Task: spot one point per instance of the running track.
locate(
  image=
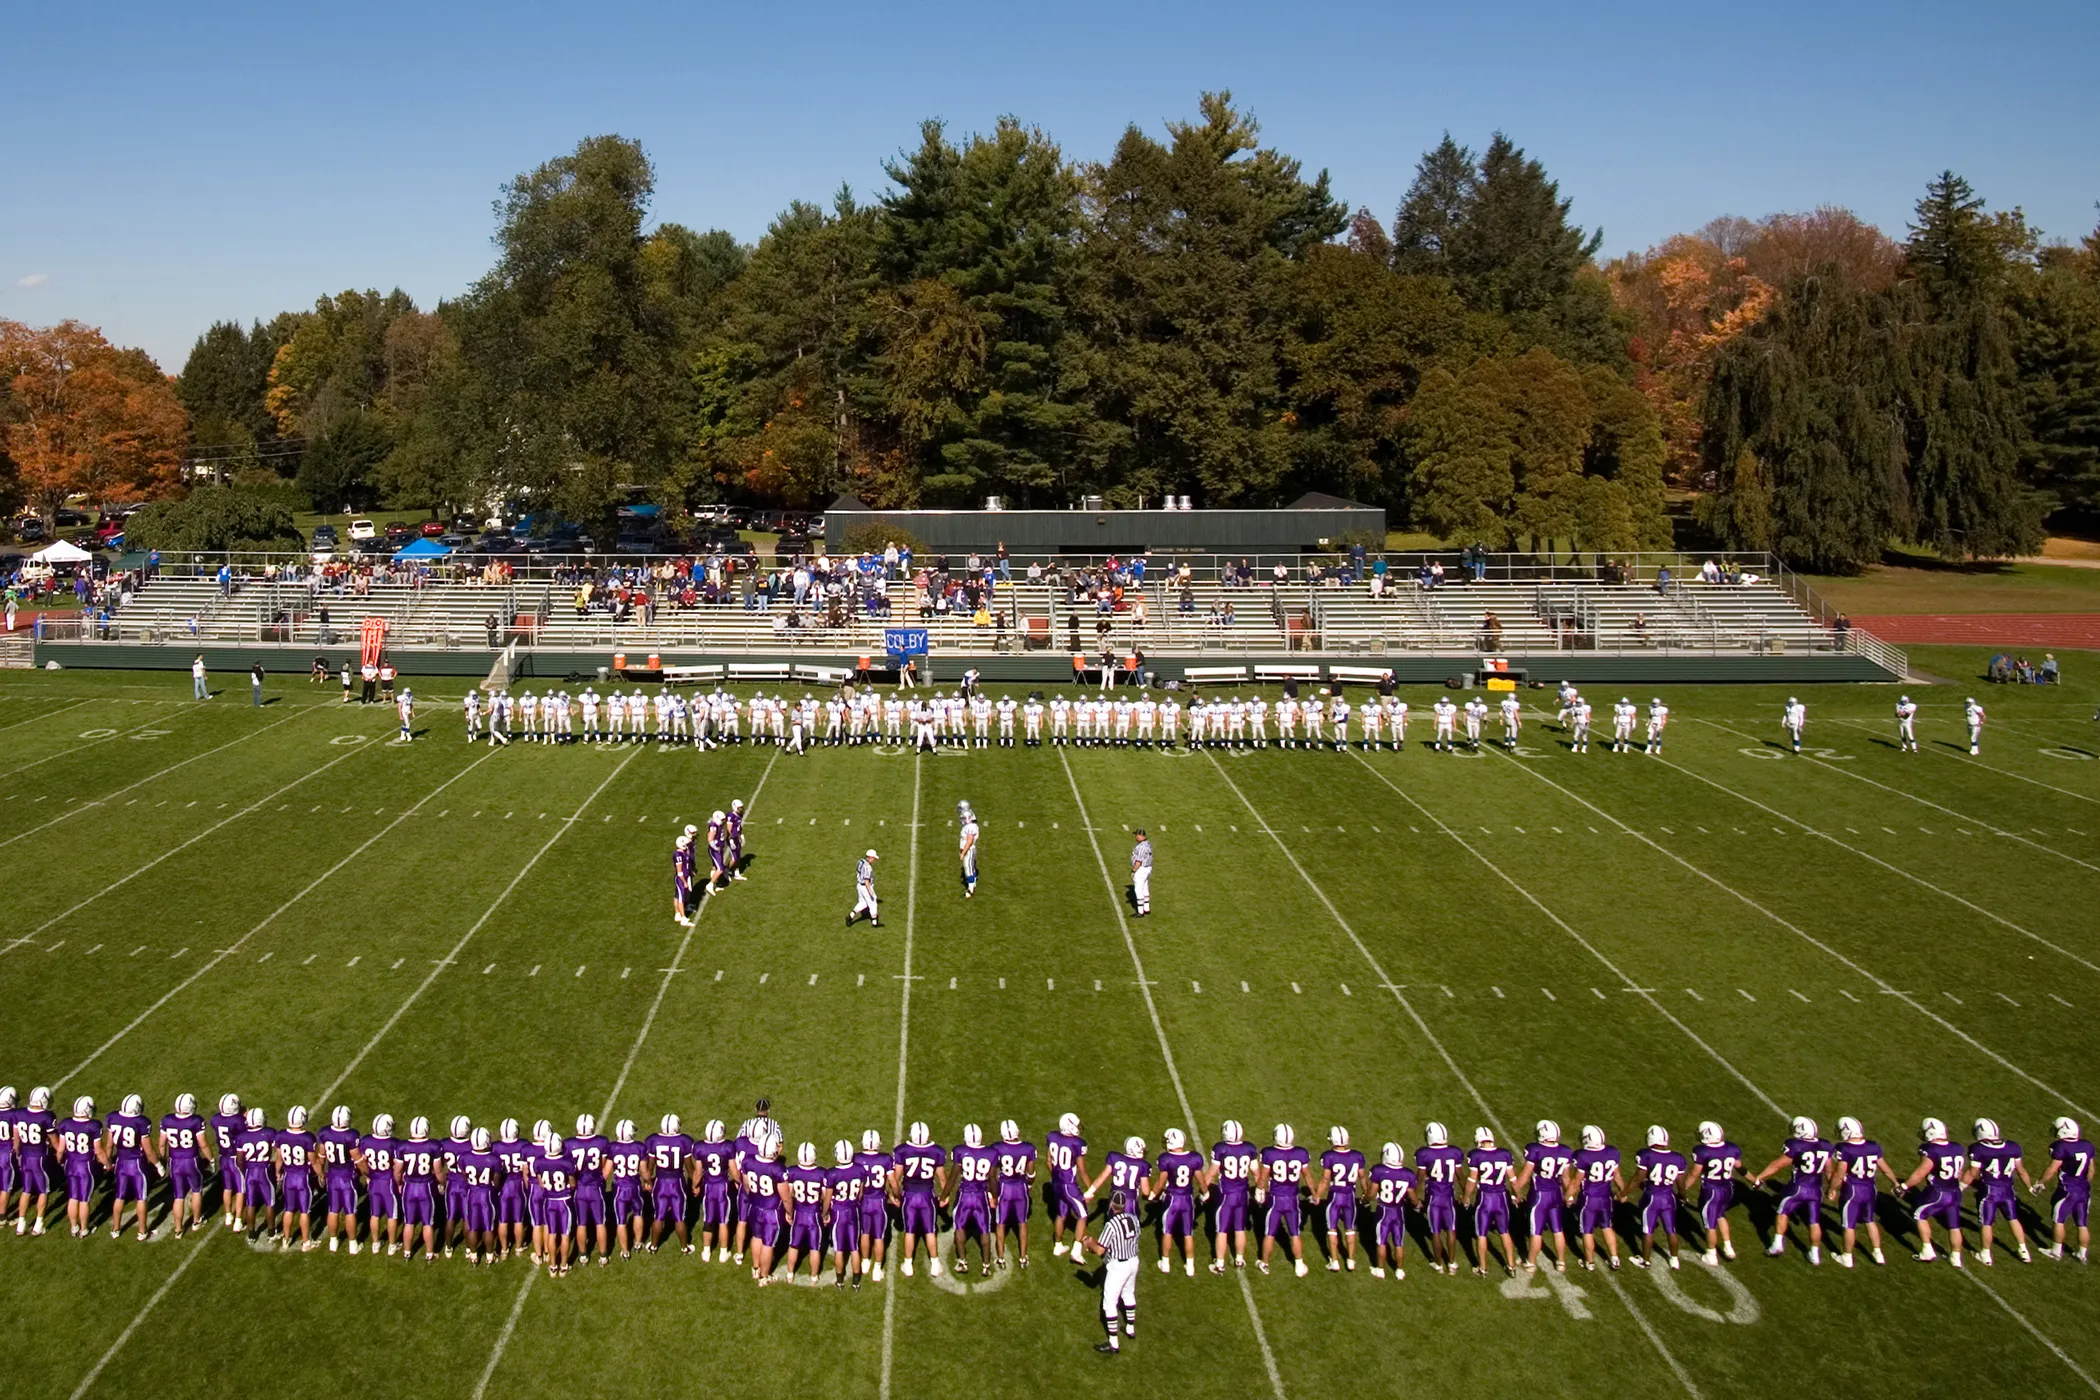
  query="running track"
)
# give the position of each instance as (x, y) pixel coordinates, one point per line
(2014, 630)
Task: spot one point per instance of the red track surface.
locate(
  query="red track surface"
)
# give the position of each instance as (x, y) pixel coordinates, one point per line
(2072, 630)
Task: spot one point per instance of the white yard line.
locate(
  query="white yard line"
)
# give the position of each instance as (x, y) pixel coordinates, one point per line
(911, 909)
(1921, 801)
(1684, 1377)
(78, 748)
(326, 1096)
(1880, 984)
(1978, 763)
(138, 1319)
(517, 1304)
(175, 850)
(47, 714)
(267, 920)
(1166, 1051)
(78, 808)
(1917, 880)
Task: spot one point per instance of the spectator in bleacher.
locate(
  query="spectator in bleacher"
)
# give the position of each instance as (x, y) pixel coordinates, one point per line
(1378, 567)
(1436, 573)
(1491, 632)
(1640, 628)
(1662, 579)
(1840, 630)
(2049, 674)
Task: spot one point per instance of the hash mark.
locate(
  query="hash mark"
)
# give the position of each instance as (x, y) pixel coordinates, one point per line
(178, 952)
(1345, 989)
(2006, 999)
(1597, 994)
(623, 973)
(579, 972)
(535, 971)
(1196, 987)
(1847, 995)
(1803, 998)
(309, 959)
(1298, 989)
(762, 978)
(487, 970)
(1745, 995)
(267, 956)
(813, 979)
(1497, 991)
(1953, 998)
(1693, 995)
(1243, 986)
(1549, 994)
(2058, 1000)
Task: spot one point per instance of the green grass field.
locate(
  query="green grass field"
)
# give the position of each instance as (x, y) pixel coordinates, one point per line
(281, 902)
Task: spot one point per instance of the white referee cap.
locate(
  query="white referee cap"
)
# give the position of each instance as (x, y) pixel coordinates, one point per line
(872, 855)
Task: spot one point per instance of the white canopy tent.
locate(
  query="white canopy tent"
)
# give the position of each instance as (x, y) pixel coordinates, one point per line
(63, 552)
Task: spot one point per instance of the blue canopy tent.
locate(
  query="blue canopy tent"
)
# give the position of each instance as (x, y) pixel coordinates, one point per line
(422, 549)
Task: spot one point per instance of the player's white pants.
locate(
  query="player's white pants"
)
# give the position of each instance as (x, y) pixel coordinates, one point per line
(1119, 1286)
(1443, 731)
(1261, 730)
(1975, 736)
(1905, 732)
(865, 903)
(1141, 886)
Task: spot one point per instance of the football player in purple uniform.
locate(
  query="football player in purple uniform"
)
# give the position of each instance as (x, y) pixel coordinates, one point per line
(2070, 1169)
(1179, 1176)
(557, 1182)
(717, 851)
(1662, 1171)
(1065, 1152)
(514, 1191)
(1276, 1189)
(337, 1145)
(422, 1177)
(454, 1149)
(1853, 1175)
(715, 1159)
(1807, 1155)
(846, 1183)
(1341, 1176)
(1541, 1183)
(1995, 1163)
(918, 1180)
(667, 1171)
(971, 1169)
(1595, 1183)
(764, 1180)
(1488, 1172)
(81, 1154)
(182, 1148)
(8, 1172)
(226, 1125)
(33, 1129)
(380, 1167)
(1234, 1164)
(733, 839)
(587, 1154)
(128, 1147)
(536, 1192)
(256, 1146)
(1942, 1167)
(1393, 1183)
(480, 1171)
(299, 1168)
(623, 1161)
(809, 1198)
(1441, 1166)
(878, 1171)
(1715, 1162)
(1015, 1166)
(682, 878)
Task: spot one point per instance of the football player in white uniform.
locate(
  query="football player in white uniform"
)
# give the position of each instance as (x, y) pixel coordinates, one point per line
(1793, 719)
(1512, 720)
(1579, 740)
(471, 708)
(1906, 725)
(1973, 714)
(1446, 722)
(1658, 721)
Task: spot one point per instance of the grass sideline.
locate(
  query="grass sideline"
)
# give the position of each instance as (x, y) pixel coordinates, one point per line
(1620, 939)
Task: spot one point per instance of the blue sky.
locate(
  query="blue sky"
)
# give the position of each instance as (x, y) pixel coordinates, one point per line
(169, 166)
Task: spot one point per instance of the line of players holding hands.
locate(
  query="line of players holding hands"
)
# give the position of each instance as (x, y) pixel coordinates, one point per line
(971, 719)
(495, 1194)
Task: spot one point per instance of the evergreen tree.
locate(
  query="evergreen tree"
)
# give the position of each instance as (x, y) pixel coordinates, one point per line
(1426, 227)
(2055, 328)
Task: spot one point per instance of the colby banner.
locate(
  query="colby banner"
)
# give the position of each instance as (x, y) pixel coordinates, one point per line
(904, 641)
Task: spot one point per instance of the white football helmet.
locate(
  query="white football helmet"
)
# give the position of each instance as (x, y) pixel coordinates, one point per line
(1068, 1124)
(1436, 1135)
(40, 1097)
(84, 1107)
(717, 816)
(1483, 1137)
(7, 1097)
(806, 1155)
(339, 1116)
(1233, 1132)
(541, 1131)
(185, 1104)
(1390, 1154)
(1658, 1135)
(668, 1125)
(480, 1140)
(2066, 1129)
(1592, 1137)
(553, 1144)
(1934, 1130)
(1549, 1132)
(1285, 1137)
(1803, 1128)
(228, 1103)
(1987, 1129)
(871, 1140)
(715, 1131)
(1850, 1130)
(1175, 1140)
(253, 1120)
(419, 1128)
(769, 1145)
(842, 1152)
(507, 1131)
(132, 1106)
(736, 804)
(623, 1131)
(973, 1136)
(919, 1135)
(1133, 1147)
(295, 1118)
(1337, 1136)
(585, 1125)
(1009, 1130)
(1710, 1133)
(462, 1126)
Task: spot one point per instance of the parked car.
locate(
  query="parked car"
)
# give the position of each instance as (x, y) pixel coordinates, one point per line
(29, 528)
(431, 529)
(398, 535)
(324, 532)
(111, 528)
(452, 540)
(70, 518)
(363, 530)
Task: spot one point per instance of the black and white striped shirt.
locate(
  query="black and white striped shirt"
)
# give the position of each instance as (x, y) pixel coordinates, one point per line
(1119, 1238)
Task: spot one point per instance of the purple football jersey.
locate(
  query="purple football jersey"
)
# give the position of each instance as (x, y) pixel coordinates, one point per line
(848, 1184)
(1441, 1168)
(714, 1159)
(128, 1133)
(1493, 1167)
(1997, 1167)
(1390, 1186)
(1717, 1163)
(1063, 1151)
(482, 1171)
(1660, 1169)
(379, 1155)
(1550, 1163)
(336, 1146)
(806, 1188)
(762, 1180)
(919, 1168)
(33, 1130)
(78, 1138)
(1126, 1178)
(556, 1176)
(454, 1150)
(1599, 1168)
(975, 1168)
(668, 1153)
(625, 1158)
(1811, 1158)
(1237, 1163)
(1016, 1166)
(1286, 1167)
(1182, 1173)
(295, 1149)
(419, 1161)
(588, 1156)
(1949, 1163)
(256, 1148)
(225, 1127)
(182, 1136)
(2077, 1156)
(1860, 1160)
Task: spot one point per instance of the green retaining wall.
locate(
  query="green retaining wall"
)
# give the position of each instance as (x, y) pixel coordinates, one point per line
(1041, 668)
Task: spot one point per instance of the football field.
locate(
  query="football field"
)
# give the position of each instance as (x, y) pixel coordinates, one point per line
(283, 903)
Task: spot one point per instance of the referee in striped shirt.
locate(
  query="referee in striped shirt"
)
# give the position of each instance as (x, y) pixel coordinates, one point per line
(1117, 1244)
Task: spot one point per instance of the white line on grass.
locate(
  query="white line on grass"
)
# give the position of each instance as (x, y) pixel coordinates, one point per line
(323, 1101)
(47, 714)
(1921, 801)
(1979, 763)
(124, 880)
(87, 1382)
(1918, 880)
(78, 748)
(1684, 1377)
(517, 1304)
(1881, 985)
(102, 801)
(267, 920)
(1166, 1051)
(911, 909)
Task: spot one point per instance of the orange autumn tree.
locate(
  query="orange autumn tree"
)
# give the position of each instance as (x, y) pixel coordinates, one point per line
(88, 418)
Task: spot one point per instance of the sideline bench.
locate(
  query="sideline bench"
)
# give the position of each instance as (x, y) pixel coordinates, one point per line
(760, 671)
(1282, 673)
(824, 675)
(1214, 675)
(1357, 675)
(691, 675)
